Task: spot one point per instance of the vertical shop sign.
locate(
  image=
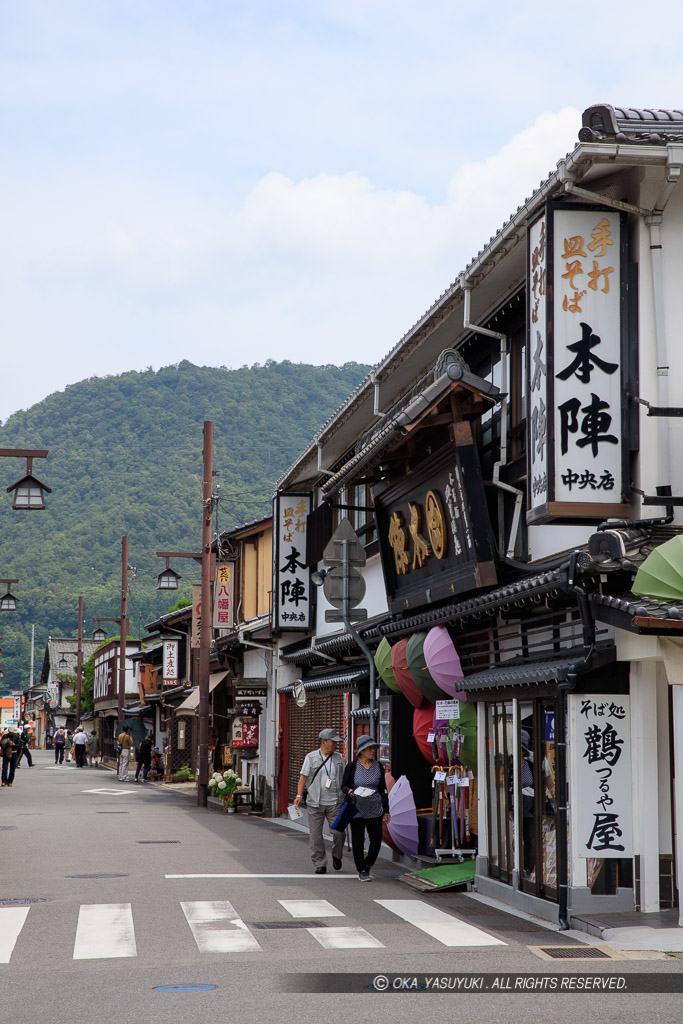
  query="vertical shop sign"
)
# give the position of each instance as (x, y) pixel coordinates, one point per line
(601, 749)
(291, 577)
(223, 604)
(170, 656)
(196, 614)
(576, 451)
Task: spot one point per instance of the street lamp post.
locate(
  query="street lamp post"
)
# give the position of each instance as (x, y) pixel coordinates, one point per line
(79, 661)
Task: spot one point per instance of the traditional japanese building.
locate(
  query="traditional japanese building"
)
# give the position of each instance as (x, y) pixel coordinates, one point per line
(509, 467)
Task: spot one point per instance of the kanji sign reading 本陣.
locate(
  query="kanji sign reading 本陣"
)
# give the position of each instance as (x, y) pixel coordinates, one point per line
(291, 577)
(601, 775)
(575, 372)
(223, 605)
(170, 676)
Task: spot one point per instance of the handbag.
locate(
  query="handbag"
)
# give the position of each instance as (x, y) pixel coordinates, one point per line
(347, 812)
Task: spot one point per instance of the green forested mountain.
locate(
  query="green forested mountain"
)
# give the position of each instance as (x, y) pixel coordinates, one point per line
(126, 459)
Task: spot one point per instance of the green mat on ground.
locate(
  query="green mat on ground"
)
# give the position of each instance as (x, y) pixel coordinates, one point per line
(447, 874)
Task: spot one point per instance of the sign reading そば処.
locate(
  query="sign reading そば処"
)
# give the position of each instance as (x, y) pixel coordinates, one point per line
(576, 353)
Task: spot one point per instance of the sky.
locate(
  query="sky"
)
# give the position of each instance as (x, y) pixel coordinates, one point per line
(230, 182)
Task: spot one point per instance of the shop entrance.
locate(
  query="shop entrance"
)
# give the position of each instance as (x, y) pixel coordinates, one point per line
(500, 745)
(537, 798)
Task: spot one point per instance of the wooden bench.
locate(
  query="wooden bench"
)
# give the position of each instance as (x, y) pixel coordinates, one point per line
(244, 795)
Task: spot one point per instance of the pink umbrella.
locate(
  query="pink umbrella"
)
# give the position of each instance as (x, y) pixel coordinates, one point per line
(402, 826)
(442, 659)
(399, 664)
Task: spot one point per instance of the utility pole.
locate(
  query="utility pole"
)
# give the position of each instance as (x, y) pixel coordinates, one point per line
(79, 662)
(205, 628)
(124, 626)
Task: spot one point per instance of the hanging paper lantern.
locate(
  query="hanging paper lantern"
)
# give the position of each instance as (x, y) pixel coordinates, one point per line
(383, 664)
(399, 664)
(419, 671)
(442, 659)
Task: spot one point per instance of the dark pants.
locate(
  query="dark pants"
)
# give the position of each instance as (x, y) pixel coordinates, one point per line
(143, 766)
(25, 752)
(364, 861)
(9, 765)
(59, 753)
(80, 749)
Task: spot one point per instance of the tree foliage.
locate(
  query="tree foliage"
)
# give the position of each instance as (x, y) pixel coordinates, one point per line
(126, 459)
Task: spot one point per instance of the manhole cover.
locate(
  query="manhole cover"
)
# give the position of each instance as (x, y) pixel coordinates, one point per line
(156, 842)
(183, 988)
(111, 812)
(96, 876)
(8, 828)
(22, 901)
(268, 925)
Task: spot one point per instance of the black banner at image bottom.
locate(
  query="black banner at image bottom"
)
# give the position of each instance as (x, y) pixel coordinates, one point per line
(612, 983)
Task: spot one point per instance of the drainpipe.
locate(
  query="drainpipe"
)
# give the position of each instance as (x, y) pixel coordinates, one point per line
(502, 461)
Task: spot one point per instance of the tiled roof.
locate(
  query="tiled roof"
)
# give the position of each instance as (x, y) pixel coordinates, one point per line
(334, 681)
(647, 126)
(518, 673)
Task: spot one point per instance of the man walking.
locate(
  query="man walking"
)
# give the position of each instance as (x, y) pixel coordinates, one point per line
(321, 774)
(8, 762)
(80, 746)
(25, 747)
(125, 741)
(59, 743)
(144, 759)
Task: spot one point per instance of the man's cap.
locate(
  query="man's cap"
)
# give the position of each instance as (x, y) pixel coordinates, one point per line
(364, 742)
(329, 734)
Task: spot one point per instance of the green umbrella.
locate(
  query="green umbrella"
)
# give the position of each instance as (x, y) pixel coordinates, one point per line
(465, 726)
(383, 665)
(661, 574)
(419, 671)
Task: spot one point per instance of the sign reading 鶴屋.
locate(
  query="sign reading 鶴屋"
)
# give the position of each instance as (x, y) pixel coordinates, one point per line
(291, 577)
(601, 775)
(576, 404)
(434, 530)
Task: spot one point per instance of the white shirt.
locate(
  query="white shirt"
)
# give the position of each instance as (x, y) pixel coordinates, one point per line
(80, 738)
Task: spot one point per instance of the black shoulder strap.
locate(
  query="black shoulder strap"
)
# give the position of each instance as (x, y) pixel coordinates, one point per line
(319, 767)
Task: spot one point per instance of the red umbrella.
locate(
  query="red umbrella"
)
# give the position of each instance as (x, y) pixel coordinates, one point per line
(422, 726)
(399, 664)
(442, 659)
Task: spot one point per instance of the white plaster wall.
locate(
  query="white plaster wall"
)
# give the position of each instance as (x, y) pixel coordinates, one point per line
(549, 540)
(663, 763)
(255, 664)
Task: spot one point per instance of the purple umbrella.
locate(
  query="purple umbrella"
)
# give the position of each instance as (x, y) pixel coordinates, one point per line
(442, 659)
(403, 824)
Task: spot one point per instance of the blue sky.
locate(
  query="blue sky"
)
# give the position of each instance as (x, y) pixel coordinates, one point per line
(229, 182)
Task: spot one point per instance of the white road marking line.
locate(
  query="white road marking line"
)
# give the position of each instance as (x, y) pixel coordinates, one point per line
(441, 926)
(310, 908)
(309, 876)
(345, 938)
(12, 920)
(111, 792)
(104, 930)
(202, 918)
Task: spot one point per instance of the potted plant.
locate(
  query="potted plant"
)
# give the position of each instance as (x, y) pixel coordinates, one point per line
(223, 785)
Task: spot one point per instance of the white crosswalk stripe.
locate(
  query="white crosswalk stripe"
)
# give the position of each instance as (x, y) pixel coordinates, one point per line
(448, 930)
(106, 930)
(204, 916)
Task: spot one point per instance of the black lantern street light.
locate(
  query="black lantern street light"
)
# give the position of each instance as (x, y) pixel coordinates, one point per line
(8, 603)
(29, 492)
(99, 635)
(168, 578)
(62, 664)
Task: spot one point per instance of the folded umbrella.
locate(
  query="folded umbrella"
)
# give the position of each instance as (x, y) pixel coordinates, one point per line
(403, 827)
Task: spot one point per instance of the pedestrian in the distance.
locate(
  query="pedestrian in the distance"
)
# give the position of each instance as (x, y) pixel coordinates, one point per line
(80, 746)
(144, 759)
(68, 745)
(8, 763)
(125, 741)
(93, 748)
(366, 773)
(59, 742)
(25, 747)
(321, 775)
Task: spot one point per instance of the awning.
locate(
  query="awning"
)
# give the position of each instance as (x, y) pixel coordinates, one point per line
(339, 682)
(191, 703)
(521, 673)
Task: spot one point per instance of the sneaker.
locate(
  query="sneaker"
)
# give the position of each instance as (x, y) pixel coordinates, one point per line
(364, 876)
(336, 863)
(321, 870)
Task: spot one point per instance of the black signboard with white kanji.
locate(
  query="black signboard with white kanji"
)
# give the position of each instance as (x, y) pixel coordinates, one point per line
(434, 530)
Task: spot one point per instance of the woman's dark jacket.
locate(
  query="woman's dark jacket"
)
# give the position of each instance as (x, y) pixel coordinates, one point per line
(348, 782)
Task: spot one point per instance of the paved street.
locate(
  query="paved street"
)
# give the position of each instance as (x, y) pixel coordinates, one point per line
(110, 891)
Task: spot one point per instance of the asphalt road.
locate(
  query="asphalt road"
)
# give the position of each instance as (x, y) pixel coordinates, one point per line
(93, 927)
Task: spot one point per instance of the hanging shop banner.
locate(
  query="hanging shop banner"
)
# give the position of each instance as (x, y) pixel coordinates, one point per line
(170, 675)
(576, 367)
(106, 680)
(17, 708)
(601, 775)
(196, 615)
(434, 529)
(291, 576)
(244, 732)
(224, 599)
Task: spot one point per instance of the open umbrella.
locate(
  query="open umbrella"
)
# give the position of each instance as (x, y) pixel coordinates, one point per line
(419, 671)
(383, 664)
(661, 574)
(403, 824)
(399, 663)
(442, 659)
(423, 719)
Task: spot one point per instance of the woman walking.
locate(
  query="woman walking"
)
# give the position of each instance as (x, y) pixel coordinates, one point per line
(367, 774)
